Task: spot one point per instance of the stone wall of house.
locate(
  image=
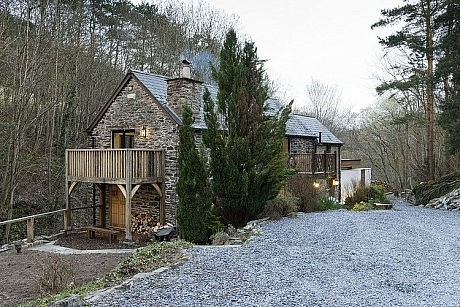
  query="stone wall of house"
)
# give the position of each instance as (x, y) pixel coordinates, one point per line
(299, 145)
(133, 109)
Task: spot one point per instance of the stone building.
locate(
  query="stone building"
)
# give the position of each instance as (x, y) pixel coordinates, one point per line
(134, 147)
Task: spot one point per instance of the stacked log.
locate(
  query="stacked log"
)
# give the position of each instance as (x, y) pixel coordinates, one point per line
(143, 223)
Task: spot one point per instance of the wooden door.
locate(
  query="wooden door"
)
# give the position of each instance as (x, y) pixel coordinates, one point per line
(117, 207)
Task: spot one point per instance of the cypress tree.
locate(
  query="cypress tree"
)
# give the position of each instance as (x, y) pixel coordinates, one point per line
(247, 162)
(194, 206)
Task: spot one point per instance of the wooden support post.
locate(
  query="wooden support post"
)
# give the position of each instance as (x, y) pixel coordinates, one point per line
(162, 206)
(129, 174)
(68, 212)
(160, 192)
(68, 190)
(102, 202)
(163, 195)
(313, 164)
(30, 230)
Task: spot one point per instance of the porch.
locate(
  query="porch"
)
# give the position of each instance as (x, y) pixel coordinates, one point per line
(314, 164)
(126, 169)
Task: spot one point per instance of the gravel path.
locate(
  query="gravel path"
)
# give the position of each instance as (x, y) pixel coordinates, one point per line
(409, 256)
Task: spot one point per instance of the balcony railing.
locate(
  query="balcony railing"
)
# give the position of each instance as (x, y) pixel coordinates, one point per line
(115, 165)
(312, 163)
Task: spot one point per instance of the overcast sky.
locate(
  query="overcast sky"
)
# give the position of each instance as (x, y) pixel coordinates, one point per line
(329, 40)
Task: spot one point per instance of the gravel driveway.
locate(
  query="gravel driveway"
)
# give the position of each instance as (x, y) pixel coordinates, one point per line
(409, 256)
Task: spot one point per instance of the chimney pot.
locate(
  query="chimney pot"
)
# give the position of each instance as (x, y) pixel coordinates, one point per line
(186, 71)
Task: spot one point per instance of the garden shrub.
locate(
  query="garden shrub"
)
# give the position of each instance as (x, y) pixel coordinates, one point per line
(56, 274)
(330, 203)
(302, 187)
(369, 194)
(361, 206)
(281, 206)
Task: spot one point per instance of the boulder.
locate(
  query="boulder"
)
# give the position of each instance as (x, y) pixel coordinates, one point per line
(450, 201)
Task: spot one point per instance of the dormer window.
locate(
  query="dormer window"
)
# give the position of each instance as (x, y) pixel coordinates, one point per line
(123, 139)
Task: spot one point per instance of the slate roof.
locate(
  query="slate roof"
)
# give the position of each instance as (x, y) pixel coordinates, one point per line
(307, 126)
(297, 125)
(156, 84)
(302, 125)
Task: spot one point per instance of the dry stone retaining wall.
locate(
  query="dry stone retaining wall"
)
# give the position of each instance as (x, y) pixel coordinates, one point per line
(450, 201)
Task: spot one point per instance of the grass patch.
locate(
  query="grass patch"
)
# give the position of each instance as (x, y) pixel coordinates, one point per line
(145, 259)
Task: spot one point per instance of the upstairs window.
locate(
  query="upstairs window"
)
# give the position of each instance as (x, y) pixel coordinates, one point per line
(123, 139)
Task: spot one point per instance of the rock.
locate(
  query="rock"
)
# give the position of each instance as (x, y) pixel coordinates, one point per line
(72, 301)
(450, 201)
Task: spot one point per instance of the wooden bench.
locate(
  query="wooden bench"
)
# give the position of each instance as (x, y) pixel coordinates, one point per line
(383, 206)
(92, 230)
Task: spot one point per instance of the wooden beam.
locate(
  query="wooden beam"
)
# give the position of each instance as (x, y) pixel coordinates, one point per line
(68, 212)
(129, 175)
(72, 186)
(162, 202)
(122, 189)
(102, 200)
(162, 206)
(24, 218)
(135, 190)
(158, 189)
(30, 230)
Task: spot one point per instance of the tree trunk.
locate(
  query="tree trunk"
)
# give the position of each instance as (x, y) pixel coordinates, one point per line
(430, 92)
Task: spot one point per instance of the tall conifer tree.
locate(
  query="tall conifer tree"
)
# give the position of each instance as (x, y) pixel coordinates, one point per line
(246, 153)
(416, 39)
(193, 209)
(448, 72)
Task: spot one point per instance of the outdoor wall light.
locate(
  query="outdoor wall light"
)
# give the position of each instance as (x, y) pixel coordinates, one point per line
(335, 182)
(143, 132)
(316, 185)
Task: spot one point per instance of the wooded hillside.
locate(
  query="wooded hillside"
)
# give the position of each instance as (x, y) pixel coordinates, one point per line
(61, 59)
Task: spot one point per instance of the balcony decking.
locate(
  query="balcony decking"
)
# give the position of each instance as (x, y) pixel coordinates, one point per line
(114, 166)
(313, 163)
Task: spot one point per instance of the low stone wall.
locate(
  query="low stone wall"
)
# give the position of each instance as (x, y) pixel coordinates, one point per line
(449, 201)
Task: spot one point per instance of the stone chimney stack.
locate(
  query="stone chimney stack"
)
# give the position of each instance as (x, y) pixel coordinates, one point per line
(184, 90)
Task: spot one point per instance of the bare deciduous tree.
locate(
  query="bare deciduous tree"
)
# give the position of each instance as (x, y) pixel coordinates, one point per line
(324, 101)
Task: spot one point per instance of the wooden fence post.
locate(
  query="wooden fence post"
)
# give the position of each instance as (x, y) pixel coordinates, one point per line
(30, 230)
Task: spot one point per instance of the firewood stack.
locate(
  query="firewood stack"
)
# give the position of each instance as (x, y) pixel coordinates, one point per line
(143, 223)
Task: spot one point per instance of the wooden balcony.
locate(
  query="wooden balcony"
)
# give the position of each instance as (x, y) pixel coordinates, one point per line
(312, 163)
(114, 166)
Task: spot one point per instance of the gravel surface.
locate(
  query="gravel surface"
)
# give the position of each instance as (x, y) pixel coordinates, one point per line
(408, 256)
